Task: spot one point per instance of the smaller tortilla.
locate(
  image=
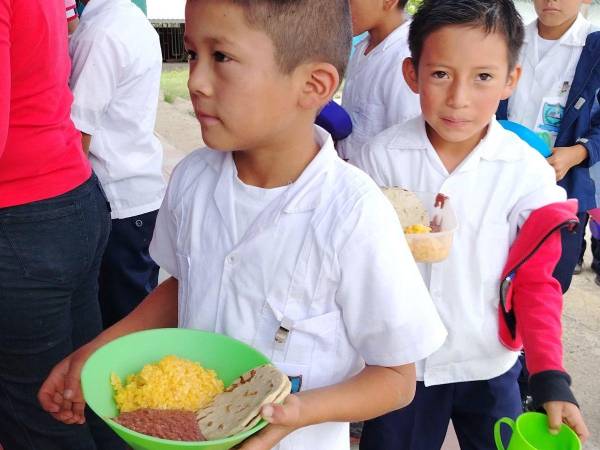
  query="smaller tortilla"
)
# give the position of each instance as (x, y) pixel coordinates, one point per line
(238, 408)
(408, 206)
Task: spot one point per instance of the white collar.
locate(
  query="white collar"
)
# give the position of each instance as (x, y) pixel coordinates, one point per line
(399, 34)
(575, 36)
(305, 193)
(497, 144)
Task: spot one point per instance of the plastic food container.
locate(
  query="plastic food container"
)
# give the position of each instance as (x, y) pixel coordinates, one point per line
(435, 246)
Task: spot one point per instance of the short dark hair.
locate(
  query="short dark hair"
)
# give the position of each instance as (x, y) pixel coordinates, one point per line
(304, 30)
(492, 15)
(402, 4)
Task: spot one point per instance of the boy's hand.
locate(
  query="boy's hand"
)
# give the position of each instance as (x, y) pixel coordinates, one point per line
(568, 413)
(61, 394)
(563, 158)
(283, 419)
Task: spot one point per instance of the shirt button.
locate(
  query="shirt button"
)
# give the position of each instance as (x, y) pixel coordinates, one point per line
(231, 259)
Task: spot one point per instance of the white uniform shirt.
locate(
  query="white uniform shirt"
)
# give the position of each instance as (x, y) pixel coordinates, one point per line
(250, 201)
(115, 81)
(326, 259)
(541, 95)
(492, 192)
(375, 93)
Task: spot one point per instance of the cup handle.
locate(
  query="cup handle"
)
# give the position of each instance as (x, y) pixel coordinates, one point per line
(497, 435)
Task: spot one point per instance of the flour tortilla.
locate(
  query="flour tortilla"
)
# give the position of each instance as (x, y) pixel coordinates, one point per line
(408, 206)
(238, 408)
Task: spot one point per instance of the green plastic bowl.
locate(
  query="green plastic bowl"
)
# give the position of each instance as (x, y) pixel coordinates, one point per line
(128, 354)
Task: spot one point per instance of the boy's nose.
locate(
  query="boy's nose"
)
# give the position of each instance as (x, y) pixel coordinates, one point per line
(458, 95)
(199, 80)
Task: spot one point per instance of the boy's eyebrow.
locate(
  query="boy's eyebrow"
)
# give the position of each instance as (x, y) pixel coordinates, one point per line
(217, 40)
(443, 66)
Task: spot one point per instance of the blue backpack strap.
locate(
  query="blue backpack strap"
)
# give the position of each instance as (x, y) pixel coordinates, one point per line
(334, 119)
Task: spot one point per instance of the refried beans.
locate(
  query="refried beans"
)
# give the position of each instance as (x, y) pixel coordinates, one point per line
(176, 425)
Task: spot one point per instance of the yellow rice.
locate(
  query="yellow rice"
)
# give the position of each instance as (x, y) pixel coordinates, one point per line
(417, 229)
(172, 383)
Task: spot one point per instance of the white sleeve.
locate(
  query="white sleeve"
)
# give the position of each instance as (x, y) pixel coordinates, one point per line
(94, 79)
(163, 247)
(540, 189)
(388, 313)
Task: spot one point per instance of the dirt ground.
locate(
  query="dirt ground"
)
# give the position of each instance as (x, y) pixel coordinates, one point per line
(180, 133)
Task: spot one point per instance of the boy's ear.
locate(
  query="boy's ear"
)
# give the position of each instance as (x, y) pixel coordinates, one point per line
(410, 75)
(389, 5)
(511, 82)
(319, 83)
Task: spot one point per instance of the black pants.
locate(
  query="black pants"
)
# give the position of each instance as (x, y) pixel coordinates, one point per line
(50, 253)
(474, 408)
(127, 274)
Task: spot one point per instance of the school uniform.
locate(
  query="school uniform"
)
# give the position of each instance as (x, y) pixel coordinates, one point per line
(492, 192)
(319, 278)
(557, 97)
(115, 80)
(375, 93)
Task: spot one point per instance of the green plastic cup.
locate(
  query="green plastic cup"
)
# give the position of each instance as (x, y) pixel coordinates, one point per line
(126, 355)
(530, 432)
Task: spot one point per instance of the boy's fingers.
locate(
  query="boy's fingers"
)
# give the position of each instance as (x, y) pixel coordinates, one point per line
(73, 385)
(49, 394)
(285, 414)
(555, 417)
(574, 419)
(79, 411)
(48, 402)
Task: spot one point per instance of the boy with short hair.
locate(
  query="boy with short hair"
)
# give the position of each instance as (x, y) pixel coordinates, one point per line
(464, 55)
(557, 98)
(375, 93)
(274, 240)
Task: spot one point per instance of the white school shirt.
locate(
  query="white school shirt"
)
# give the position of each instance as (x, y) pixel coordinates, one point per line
(375, 93)
(541, 95)
(492, 192)
(326, 260)
(115, 80)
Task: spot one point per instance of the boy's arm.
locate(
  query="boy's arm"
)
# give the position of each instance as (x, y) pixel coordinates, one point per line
(592, 140)
(585, 152)
(537, 303)
(61, 394)
(372, 393)
(5, 15)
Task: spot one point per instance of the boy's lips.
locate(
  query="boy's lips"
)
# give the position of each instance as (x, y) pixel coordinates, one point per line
(206, 119)
(455, 122)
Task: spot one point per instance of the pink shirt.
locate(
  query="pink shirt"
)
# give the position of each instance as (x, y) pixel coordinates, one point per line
(40, 149)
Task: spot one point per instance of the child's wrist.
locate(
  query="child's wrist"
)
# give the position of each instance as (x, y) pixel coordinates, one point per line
(551, 386)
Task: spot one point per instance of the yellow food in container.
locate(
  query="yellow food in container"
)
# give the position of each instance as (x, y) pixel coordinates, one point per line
(417, 229)
(171, 383)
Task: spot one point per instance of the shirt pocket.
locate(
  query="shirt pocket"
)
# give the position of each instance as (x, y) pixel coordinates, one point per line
(306, 345)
